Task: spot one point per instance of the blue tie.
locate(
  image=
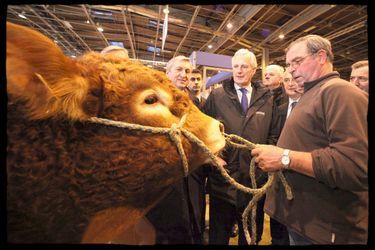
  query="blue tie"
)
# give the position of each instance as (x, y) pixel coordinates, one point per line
(244, 102)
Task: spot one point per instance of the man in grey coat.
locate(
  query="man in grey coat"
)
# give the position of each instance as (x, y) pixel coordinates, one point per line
(245, 109)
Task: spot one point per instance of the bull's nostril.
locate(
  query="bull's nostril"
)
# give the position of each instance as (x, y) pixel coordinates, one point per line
(221, 127)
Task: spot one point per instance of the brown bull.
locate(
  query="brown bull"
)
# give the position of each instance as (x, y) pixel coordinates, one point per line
(70, 180)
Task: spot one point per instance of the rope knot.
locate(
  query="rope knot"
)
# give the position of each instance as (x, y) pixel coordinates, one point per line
(175, 135)
(175, 130)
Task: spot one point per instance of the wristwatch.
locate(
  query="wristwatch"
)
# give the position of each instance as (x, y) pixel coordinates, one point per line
(285, 160)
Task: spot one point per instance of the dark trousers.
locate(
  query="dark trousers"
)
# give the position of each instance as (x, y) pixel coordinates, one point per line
(223, 215)
(172, 217)
(279, 233)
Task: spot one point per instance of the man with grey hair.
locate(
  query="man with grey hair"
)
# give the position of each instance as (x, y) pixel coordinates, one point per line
(119, 52)
(273, 79)
(177, 217)
(178, 70)
(359, 75)
(273, 76)
(245, 109)
(323, 152)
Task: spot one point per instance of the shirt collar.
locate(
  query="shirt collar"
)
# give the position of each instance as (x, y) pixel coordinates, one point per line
(238, 87)
(293, 100)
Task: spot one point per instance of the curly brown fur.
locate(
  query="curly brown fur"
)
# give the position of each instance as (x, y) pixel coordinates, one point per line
(62, 169)
(62, 173)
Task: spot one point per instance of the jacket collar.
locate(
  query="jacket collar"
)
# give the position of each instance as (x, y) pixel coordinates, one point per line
(260, 91)
(309, 85)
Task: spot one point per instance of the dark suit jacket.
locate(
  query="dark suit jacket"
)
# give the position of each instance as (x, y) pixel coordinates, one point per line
(224, 105)
(278, 121)
(179, 217)
(199, 103)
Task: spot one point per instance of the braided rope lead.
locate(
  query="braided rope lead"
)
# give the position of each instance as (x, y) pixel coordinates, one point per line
(251, 207)
(175, 134)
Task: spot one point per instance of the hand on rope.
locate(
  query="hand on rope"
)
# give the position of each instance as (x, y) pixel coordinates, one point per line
(239, 142)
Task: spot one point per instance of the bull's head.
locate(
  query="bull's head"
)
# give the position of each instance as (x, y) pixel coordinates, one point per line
(73, 169)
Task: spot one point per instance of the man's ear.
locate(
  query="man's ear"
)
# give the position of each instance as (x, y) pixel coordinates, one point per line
(39, 73)
(323, 57)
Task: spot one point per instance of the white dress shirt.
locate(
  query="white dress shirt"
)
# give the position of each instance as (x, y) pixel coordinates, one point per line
(239, 93)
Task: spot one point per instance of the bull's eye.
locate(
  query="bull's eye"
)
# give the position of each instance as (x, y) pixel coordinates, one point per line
(151, 99)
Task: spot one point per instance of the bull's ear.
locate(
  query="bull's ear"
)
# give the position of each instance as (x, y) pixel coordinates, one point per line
(39, 73)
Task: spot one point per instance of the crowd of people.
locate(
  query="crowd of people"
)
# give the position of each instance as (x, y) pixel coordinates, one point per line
(305, 126)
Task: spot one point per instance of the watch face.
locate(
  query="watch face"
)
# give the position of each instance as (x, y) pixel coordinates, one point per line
(285, 160)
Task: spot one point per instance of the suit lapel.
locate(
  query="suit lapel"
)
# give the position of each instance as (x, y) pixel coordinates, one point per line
(232, 94)
(256, 103)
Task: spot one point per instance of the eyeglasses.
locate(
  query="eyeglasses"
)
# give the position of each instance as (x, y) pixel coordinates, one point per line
(193, 79)
(296, 62)
(361, 79)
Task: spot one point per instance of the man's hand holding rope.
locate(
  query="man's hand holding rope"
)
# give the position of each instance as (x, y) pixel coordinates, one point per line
(272, 162)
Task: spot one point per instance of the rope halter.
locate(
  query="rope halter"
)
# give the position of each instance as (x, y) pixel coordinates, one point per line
(175, 133)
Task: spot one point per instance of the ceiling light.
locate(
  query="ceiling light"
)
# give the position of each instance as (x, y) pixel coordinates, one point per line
(73, 56)
(281, 36)
(22, 16)
(210, 46)
(229, 25)
(87, 21)
(166, 10)
(100, 29)
(101, 13)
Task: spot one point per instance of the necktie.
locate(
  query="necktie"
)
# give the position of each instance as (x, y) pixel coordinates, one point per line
(244, 101)
(293, 104)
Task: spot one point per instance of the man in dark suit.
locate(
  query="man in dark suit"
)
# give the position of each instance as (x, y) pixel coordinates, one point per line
(175, 217)
(195, 88)
(273, 80)
(245, 109)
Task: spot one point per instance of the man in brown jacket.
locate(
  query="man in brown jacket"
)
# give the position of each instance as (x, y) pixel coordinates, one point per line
(323, 151)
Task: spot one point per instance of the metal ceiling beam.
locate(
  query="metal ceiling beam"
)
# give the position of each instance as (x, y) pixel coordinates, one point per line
(171, 20)
(128, 32)
(42, 29)
(93, 24)
(52, 28)
(346, 49)
(351, 36)
(70, 29)
(132, 29)
(229, 15)
(157, 34)
(308, 14)
(188, 30)
(322, 24)
(256, 24)
(245, 13)
(346, 30)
